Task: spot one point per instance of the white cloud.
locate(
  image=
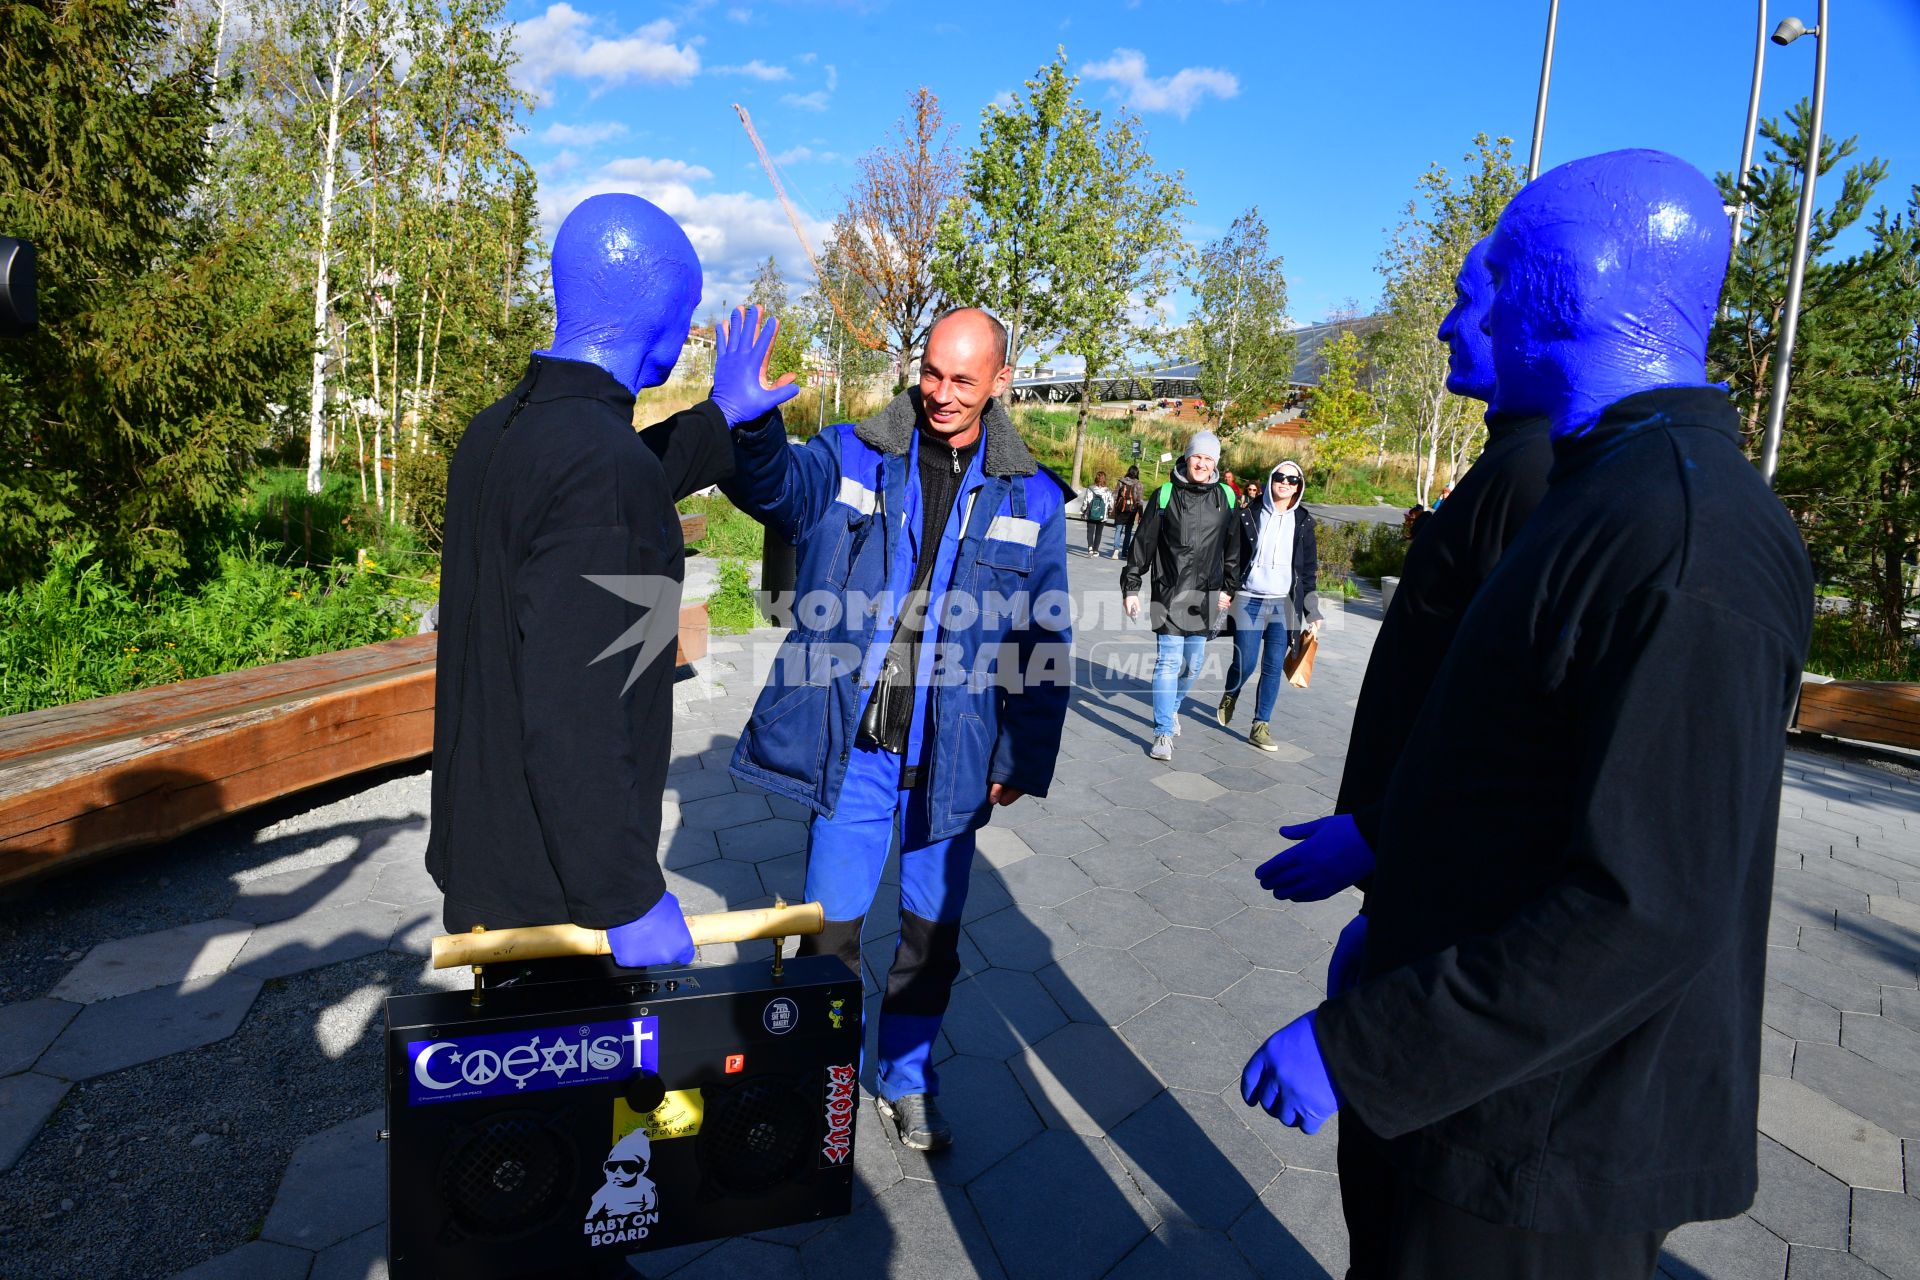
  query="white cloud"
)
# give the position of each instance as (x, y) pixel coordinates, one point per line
(582, 135)
(806, 155)
(733, 231)
(560, 43)
(1179, 93)
(833, 77)
(808, 58)
(755, 70)
(815, 101)
(741, 16)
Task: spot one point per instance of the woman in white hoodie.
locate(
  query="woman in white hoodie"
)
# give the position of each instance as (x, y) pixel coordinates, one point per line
(1278, 595)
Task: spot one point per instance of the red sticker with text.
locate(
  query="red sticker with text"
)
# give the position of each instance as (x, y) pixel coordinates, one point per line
(842, 1084)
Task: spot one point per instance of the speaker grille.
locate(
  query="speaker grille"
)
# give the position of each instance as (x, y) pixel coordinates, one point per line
(506, 1175)
(757, 1136)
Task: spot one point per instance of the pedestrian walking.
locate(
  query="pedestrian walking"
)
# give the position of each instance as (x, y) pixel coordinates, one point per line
(1278, 599)
(1095, 502)
(1129, 499)
(1190, 541)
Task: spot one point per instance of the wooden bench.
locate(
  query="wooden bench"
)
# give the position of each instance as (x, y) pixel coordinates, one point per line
(1883, 712)
(93, 777)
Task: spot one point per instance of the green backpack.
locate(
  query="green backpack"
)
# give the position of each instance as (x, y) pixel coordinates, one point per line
(1166, 494)
(1096, 507)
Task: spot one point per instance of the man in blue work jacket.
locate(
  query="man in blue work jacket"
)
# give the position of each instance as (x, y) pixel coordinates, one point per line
(926, 678)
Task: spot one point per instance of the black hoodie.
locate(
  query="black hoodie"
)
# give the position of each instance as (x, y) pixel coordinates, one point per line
(1190, 538)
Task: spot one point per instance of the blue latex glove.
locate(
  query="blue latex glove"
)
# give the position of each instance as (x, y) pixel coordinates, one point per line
(1343, 970)
(741, 352)
(1288, 1078)
(658, 937)
(1331, 855)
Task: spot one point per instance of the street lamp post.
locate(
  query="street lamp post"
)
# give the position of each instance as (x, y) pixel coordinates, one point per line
(1789, 30)
(1540, 103)
(1753, 124)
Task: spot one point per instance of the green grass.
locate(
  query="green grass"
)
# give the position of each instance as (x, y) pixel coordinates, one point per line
(78, 633)
(731, 608)
(1846, 650)
(730, 531)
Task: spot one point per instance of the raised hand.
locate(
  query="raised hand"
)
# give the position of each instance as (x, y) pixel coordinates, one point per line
(1287, 1078)
(1331, 855)
(741, 352)
(658, 937)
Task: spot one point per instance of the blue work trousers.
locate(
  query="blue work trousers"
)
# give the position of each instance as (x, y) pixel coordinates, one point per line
(1261, 639)
(847, 854)
(1175, 667)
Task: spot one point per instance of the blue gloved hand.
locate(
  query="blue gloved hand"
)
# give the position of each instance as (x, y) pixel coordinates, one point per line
(1331, 855)
(1343, 970)
(741, 352)
(1288, 1078)
(658, 937)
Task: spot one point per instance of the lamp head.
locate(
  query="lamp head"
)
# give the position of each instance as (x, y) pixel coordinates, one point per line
(1789, 30)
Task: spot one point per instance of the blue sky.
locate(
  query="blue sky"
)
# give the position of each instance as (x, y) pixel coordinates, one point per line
(1322, 114)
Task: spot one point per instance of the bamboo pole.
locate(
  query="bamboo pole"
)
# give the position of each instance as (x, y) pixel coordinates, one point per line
(547, 941)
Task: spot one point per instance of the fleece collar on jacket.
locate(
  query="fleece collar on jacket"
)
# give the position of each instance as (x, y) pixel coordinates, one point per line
(891, 431)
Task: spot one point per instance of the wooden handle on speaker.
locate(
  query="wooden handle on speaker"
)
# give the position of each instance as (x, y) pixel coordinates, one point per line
(546, 941)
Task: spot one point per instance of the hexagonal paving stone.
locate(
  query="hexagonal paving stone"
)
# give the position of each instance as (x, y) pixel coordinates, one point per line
(1084, 1078)
(1731, 1247)
(1297, 1227)
(1089, 1219)
(718, 812)
(1192, 852)
(404, 883)
(1884, 1097)
(255, 1260)
(129, 1030)
(1101, 985)
(1191, 900)
(1000, 846)
(1326, 918)
(1273, 940)
(26, 1102)
(1798, 1202)
(1122, 866)
(287, 894)
(912, 1228)
(27, 1028)
(1044, 882)
(1127, 826)
(685, 847)
(334, 1187)
(998, 1013)
(1022, 937)
(986, 894)
(1111, 917)
(720, 885)
(1190, 815)
(1060, 836)
(1189, 786)
(785, 877)
(698, 784)
(760, 841)
(1194, 1159)
(1886, 1230)
(1238, 777)
(127, 965)
(1265, 1000)
(315, 939)
(1191, 961)
(1190, 1043)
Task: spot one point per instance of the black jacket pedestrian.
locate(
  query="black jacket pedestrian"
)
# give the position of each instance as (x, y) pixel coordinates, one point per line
(1457, 549)
(549, 759)
(1559, 1023)
(1192, 544)
(1304, 595)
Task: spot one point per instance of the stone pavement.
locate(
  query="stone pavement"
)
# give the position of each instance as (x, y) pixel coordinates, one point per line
(190, 1052)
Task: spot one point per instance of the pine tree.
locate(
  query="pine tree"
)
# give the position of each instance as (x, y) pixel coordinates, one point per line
(129, 418)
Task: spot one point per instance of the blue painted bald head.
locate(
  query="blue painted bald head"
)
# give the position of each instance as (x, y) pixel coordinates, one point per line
(1469, 349)
(625, 283)
(1606, 274)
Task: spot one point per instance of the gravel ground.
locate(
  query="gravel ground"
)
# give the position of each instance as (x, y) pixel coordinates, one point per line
(146, 1171)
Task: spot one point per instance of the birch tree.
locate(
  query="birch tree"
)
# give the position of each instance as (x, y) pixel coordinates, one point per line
(1238, 327)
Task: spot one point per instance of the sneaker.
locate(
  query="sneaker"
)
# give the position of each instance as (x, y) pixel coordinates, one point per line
(1162, 747)
(1226, 708)
(1259, 737)
(1176, 724)
(917, 1121)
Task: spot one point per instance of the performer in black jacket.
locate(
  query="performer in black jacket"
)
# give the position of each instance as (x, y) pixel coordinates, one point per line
(560, 588)
(1556, 1027)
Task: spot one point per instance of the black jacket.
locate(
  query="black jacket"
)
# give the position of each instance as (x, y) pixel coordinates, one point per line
(1192, 544)
(548, 760)
(1559, 1023)
(1456, 550)
(1304, 594)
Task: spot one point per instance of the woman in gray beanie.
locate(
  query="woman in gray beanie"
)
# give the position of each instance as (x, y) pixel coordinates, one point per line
(1190, 537)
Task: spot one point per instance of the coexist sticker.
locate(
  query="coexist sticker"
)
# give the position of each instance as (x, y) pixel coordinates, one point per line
(782, 1016)
(509, 1062)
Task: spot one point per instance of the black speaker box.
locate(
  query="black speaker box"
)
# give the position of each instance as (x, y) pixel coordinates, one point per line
(556, 1127)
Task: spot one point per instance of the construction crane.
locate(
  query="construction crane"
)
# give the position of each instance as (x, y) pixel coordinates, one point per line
(863, 334)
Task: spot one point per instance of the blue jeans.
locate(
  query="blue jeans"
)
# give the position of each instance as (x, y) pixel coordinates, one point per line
(1174, 669)
(845, 858)
(1260, 620)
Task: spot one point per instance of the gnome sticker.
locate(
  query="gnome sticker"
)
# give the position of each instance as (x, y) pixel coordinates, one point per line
(624, 1209)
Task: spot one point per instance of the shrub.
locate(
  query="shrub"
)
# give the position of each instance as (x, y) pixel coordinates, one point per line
(731, 608)
(1379, 550)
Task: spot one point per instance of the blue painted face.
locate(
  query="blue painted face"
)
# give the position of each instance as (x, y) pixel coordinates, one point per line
(625, 283)
(1469, 349)
(1606, 273)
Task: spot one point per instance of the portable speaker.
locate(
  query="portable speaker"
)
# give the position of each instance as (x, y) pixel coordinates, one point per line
(553, 1128)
